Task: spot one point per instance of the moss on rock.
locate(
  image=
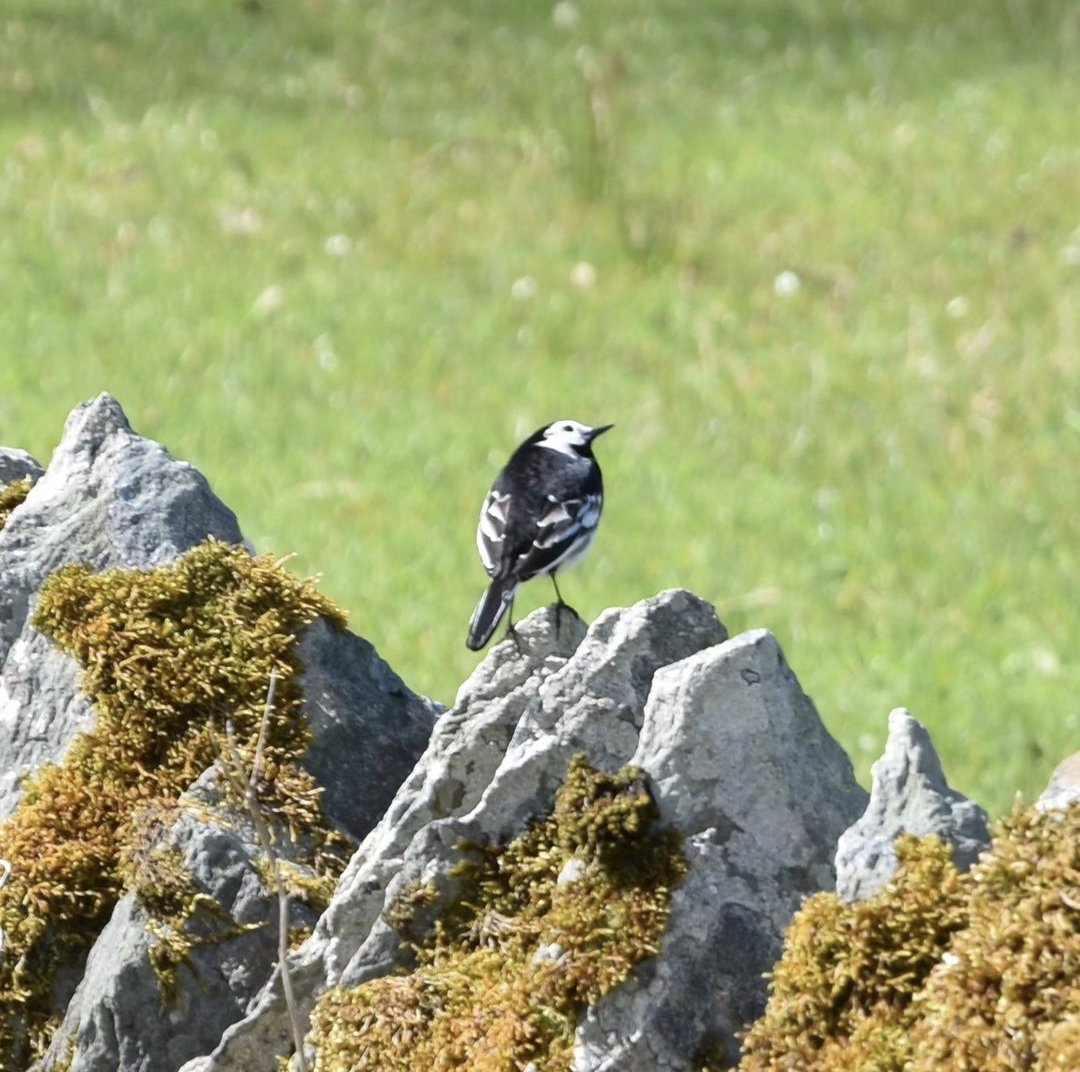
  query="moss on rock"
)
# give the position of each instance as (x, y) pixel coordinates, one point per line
(12, 495)
(841, 994)
(1008, 997)
(977, 972)
(504, 976)
(169, 654)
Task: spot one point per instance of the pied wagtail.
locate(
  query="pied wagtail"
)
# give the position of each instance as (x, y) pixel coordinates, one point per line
(539, 517)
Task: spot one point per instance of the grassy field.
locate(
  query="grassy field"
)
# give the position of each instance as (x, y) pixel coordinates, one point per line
(818, 260)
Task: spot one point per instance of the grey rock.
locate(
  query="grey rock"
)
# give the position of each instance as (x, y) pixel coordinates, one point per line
(593, 703)
(118, 1020)
(742, 766)
(368, 728)
(466, 747)
(740, 763)
(41, 709)
(16, 464)
(494, 762)
(909, 795)
(108, 498)
(1064, 786)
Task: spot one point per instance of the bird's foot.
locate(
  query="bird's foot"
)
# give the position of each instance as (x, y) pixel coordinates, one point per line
(515, 636)
(560, 606)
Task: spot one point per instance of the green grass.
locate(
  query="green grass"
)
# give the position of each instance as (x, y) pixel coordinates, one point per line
(879, 467)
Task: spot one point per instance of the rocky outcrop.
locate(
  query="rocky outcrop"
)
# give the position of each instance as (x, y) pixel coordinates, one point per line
(367, 731)
(108, 498)
(909, 796)
(740, 764)
(730, 748)
(111, 498)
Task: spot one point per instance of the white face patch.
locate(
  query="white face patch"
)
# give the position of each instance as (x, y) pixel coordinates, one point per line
(565, 436)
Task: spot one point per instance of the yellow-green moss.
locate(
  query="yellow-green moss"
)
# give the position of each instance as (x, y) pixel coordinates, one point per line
(840, 996)
(168, 655)
(977, 972)
(1009, 997)
(12, 495)
(480, 997)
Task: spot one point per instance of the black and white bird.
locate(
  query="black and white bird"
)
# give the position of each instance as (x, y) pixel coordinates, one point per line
(539, 517)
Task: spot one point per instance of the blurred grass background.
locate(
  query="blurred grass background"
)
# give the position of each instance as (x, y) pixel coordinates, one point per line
(819, 260)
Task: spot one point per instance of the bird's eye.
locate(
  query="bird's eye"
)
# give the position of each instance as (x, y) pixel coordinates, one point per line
(567, 427)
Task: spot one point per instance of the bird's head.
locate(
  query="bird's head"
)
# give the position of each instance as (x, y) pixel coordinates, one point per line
(570, 437)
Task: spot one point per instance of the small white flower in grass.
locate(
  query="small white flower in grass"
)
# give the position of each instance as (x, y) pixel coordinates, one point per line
(269, 301)
(583, 275)
(826, 498)
(239, 221)
(324, 351)
(565, 16)
(338, 245)
(957, 308)
(524, 289)
(1070, 255)
(786, 284)
(1045, 661)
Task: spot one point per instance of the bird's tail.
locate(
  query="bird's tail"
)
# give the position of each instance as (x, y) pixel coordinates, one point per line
(489, 611)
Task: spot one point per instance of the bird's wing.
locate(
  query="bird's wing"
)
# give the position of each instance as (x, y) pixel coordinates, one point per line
(491, 532)
(559, 530)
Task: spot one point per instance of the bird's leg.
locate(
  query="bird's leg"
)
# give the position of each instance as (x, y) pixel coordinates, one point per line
(559, 604)
(511, 632)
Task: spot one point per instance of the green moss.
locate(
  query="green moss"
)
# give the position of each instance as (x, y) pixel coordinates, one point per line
(12, 495)
(847, 967)
(1009, 997)
(978, 972)
(405, 913)
(168, 654)
(503, 977)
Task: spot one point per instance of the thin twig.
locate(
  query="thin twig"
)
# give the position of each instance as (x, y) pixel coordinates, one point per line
(5, 867)
(260, 745)
(262, 830)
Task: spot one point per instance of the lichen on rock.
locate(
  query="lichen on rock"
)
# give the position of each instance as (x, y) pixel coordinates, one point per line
(169, 655)
(504, 975)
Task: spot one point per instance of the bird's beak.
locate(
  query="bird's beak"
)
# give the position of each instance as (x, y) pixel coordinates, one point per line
(600, 430)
